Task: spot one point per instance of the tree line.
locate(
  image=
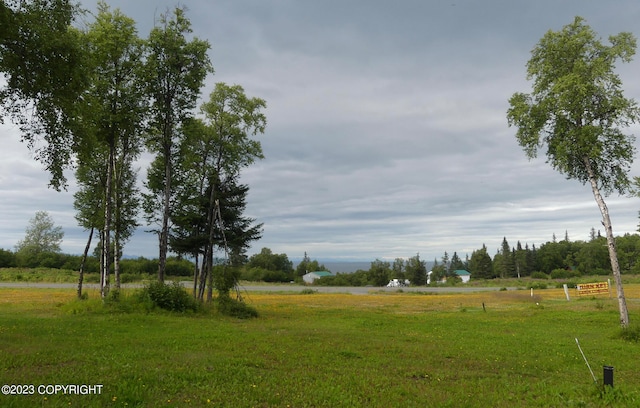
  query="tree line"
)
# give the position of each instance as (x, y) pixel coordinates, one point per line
(92, 99)
(556, 259)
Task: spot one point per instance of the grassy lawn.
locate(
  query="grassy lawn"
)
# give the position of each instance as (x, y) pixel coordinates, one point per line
(323, 350)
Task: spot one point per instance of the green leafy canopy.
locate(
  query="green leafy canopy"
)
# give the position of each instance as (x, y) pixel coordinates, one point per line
(577, 107)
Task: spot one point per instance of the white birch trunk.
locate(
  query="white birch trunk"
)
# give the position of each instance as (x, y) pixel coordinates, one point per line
(611, 244)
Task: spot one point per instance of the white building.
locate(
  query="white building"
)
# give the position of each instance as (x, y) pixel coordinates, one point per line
(312, 276)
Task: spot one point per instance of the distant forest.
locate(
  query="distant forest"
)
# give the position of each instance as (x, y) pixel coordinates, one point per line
(557, 259)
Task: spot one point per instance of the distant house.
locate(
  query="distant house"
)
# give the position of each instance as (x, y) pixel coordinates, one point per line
(312, 276)
(464, 275)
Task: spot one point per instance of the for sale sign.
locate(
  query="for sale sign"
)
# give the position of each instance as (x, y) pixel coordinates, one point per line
(592, 288)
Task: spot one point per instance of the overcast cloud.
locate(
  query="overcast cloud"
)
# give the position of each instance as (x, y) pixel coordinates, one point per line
(387, 132)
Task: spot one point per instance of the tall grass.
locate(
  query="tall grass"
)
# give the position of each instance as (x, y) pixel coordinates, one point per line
(323, 350)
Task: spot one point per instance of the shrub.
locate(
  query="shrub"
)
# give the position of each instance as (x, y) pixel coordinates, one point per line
(235, 308)
(225, 278)
(179, 267)
(275, 276)
(251, 274)
(560, 274)
(539, 275)
(171, 297)
(7, 259)
(128, 277)
(537, 285)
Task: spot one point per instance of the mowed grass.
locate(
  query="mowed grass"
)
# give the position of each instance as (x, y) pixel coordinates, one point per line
(323, 350)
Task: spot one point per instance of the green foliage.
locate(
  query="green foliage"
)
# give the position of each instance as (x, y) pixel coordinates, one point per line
(379, 273)
(307, 265)
(44, 62)
(577, 106)
(7, 258)
(179, 267)
(235, 308)
(38, 275)
(272, 267)
(537, 285)
(563, 274)
(539, 275)
(42, 235)
(358, 278)
(480, 264)
(577, 110)
(225, 278)
(416, 270)
(172, 297)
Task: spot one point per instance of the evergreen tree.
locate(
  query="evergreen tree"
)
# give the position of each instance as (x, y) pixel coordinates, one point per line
(456, 264)
(416, 270)
(480, 264)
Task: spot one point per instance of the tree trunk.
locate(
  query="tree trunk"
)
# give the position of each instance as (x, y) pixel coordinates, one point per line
(211, 218)
(195, 277)
(116, 259)
(206, 269)
(106, 231)
(210, 277)
(82, 263)
(611, 243)
(164, 233)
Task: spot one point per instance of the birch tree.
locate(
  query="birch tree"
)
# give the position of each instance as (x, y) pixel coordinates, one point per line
(176, 69)
(44, 62)
(115, 115)
(577, 110)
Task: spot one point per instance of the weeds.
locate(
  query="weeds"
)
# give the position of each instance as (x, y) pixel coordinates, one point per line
(172, 297)
(631, 333)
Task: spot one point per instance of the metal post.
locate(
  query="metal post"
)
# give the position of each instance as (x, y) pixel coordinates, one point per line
(607, 375)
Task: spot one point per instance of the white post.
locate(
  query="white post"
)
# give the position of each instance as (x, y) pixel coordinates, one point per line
(609, 282)
(566, 291)
(531, 292)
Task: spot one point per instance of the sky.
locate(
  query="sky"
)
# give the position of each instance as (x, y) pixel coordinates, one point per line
(387, 133)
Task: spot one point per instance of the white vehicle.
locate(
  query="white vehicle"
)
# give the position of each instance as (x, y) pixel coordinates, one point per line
(396, 283)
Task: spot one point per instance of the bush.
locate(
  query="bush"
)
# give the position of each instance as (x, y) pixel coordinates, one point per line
(560, 274)
(537, 285)
(179, 267)
(7, 259)
(275, 276)
(539, 275)
(171, 297)
(251, 274)
(235, 308)
(225, 278)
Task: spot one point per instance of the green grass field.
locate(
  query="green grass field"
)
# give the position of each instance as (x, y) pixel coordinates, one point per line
(322, 350)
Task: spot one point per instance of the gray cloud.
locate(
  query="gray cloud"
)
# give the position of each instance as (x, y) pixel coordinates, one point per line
(387, 133)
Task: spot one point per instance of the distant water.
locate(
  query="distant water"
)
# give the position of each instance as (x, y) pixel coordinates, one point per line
(351, 266)
(342, 267)
(347, 267)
